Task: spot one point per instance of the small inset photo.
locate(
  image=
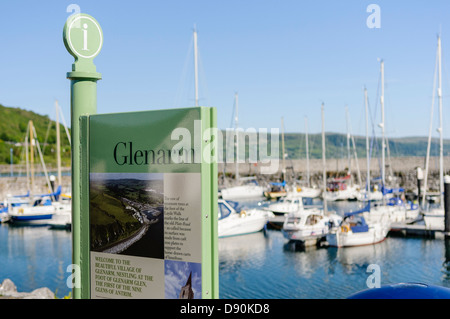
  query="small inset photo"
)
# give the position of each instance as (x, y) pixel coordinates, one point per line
(183, 280)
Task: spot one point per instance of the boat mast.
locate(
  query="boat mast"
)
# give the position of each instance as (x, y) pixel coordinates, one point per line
(383, 142)
(237, 134)
(58, 144)
(355, 154)
(30, 123)
(427, 158)
(348, 144)
(440, 129)
(324, 176)
(283, 168)
(196, 66)
(367, 144)
(307, 152)
(27, 161)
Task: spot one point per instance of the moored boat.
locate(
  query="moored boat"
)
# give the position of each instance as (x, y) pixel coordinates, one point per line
(233, 223)
(359, 229)
(308, 226)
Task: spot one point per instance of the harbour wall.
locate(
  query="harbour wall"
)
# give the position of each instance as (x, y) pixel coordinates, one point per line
(400, 171)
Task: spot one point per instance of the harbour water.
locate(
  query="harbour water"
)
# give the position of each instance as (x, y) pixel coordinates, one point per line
(259, 265)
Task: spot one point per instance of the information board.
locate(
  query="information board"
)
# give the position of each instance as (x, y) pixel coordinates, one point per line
(152, 203)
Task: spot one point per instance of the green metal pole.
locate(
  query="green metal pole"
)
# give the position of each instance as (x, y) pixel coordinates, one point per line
(83, 102)
(83, 39)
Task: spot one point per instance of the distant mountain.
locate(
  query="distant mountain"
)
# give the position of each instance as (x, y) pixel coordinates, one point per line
(14, 121)
(13, 128)
(336, 146)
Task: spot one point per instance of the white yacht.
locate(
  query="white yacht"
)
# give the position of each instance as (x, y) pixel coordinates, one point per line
(358, 229)
(308, 225)
(233, 223)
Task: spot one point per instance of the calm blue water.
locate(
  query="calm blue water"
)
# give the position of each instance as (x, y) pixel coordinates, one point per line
(35, 257)
(251, 266)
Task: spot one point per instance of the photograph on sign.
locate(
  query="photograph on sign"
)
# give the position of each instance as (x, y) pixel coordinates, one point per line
(126, 214)
(183, 280)
(145, 235)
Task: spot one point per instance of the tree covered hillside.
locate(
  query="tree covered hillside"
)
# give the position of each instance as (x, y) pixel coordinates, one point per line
(13, 128)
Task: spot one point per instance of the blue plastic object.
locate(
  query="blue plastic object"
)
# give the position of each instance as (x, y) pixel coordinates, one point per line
(404, 291)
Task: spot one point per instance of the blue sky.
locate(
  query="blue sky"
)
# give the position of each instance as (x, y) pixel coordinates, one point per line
(284, 58)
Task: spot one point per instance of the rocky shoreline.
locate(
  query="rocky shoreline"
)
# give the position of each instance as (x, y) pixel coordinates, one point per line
(8, 290)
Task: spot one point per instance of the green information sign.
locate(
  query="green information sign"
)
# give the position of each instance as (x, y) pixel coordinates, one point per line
(151, 198)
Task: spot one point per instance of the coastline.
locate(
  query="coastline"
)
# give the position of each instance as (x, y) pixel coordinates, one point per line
(117, 248)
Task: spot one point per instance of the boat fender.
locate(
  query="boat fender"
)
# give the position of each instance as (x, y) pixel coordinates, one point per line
(345, 228)
(243, 213)
(20, 210)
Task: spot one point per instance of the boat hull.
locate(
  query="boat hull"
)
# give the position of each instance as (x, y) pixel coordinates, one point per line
(32, 215)
(32, 219)
(373, 236)
(434, 221)
(242, 224)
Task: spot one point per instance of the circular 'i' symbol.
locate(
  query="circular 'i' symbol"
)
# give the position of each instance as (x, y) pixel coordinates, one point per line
(83, 36)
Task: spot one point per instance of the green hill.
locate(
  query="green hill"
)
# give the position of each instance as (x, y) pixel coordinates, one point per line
(14, 121)
(13, 128)
(336, 146)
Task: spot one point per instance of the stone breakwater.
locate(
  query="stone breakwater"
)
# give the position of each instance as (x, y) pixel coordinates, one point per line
(400, 171)
(18, 186)
(8, 290)
(404, 171)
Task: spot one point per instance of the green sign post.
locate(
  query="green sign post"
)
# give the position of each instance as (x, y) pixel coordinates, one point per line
(83, 39)
(144, 190)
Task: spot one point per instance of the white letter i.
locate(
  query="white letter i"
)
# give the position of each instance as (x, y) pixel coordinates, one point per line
(85, 37)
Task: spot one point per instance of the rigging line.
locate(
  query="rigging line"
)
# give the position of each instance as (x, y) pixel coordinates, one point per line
(46, 135)
(427, 158)
(64, 124)
(372, 117)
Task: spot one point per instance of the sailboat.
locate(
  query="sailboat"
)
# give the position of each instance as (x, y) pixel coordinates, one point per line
(279, 189)
(340, 188)
(369, 194)
(306, 191)
(359, 228)
(249, 187)
(38, 208)
(435, 217)
(310, 225)
(232, 223)
(397, 212)
(343, 188)
(63, 206)
(41, 209)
